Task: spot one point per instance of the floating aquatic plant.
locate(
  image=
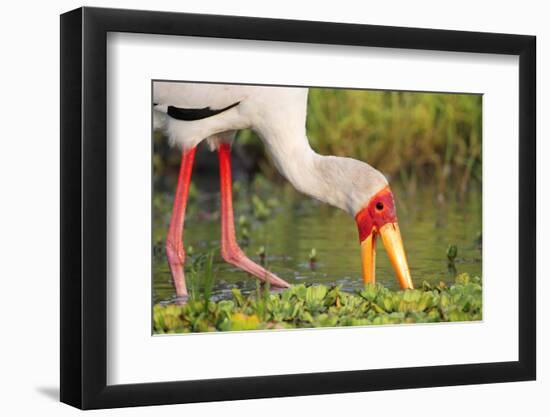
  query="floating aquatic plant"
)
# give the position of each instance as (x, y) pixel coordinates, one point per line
(243, 221)
(260, 209)
(245, 236)
(261, 253)
(304, 306)
(312, 258)
(452, 252)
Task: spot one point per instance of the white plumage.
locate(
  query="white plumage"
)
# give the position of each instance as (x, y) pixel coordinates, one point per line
(278, 116)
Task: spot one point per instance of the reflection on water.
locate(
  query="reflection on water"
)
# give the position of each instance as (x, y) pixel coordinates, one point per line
(297, 224)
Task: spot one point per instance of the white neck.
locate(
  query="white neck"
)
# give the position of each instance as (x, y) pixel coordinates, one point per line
(341, 182)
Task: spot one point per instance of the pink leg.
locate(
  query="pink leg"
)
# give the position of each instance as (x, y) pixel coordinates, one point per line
(231, 251)
(174, 241)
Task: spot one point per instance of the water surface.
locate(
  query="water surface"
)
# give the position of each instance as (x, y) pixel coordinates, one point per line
(297, 224)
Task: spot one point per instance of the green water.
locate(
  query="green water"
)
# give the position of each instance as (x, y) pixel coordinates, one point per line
(297, 224)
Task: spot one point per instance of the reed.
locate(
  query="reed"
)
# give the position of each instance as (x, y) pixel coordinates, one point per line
(200, 277)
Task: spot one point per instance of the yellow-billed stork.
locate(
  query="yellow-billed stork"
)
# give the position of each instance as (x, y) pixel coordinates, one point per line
(191, 112)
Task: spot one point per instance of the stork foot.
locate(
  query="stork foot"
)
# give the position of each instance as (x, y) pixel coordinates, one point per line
(235, 256)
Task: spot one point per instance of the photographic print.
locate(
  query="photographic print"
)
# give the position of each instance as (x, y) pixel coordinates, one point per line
(340, 183)
(286, 207)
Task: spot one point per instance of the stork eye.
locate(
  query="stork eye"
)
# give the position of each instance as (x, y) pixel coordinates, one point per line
(379, 206)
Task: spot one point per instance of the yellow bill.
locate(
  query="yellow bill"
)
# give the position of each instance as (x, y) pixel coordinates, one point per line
(391, 238)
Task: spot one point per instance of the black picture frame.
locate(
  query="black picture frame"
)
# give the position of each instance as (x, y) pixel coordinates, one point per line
(84, 207)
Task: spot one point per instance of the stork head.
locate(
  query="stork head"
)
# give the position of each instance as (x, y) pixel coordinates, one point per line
(378, 217)
(362, 191)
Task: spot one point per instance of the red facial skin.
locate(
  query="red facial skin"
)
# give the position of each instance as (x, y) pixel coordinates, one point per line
(379, 211)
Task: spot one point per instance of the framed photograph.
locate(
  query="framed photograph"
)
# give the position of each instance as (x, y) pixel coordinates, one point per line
(225, 185)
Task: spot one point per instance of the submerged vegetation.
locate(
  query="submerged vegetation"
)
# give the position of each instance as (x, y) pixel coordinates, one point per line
(304, 306)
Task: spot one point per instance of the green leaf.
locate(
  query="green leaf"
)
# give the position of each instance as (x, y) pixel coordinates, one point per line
(237, 296)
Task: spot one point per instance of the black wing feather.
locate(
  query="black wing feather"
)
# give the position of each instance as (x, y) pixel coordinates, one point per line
(196, 114)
